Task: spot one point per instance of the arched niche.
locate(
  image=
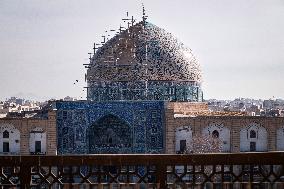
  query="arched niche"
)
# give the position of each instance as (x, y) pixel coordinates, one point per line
(253, 138)
(110, 134)
(9, 139)
(218, 130)
(280, 139)
(37, 141)
(183, 138)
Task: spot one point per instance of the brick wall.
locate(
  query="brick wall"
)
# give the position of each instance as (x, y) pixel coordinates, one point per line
(187, 107)
(234, 123)
(26, 125)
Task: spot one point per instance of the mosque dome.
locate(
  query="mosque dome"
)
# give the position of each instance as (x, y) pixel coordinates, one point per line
(144, 62)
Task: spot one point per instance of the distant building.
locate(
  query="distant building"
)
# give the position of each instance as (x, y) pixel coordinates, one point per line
(268, 104)
(68, 98)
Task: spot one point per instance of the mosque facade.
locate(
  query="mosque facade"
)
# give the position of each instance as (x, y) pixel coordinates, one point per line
(130, 79)
(110, 127)
(144, 95)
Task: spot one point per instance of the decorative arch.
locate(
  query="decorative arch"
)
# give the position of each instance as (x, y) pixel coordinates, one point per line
(183, 138)
(253, 137)
(9, 139)
(37, 141)
(110, 134)
(217, 129)
(6, 134)
(280, 139)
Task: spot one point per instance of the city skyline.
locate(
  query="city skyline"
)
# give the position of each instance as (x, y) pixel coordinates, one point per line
(238, 44)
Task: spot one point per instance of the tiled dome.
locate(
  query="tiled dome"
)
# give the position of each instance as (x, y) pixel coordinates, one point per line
(144, 53)
(142, 59)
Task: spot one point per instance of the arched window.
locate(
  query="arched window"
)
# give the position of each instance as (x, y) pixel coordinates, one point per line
(5, 134)
(215, 134)
(252, 134)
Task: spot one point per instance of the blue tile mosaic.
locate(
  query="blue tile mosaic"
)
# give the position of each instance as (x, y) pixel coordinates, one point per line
(110, 127)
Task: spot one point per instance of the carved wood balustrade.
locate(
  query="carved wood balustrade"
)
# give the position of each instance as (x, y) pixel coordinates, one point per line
(238, 170)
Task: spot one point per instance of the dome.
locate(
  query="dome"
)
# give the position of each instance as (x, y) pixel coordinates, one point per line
(144, 62)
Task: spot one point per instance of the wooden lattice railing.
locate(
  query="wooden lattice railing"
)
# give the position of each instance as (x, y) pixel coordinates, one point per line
(240, 170)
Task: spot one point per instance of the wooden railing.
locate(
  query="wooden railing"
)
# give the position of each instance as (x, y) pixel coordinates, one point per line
(240, 170)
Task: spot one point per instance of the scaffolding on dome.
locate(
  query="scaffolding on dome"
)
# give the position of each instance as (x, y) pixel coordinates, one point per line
(142, 62)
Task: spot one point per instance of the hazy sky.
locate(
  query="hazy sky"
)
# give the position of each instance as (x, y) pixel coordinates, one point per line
(239, 44)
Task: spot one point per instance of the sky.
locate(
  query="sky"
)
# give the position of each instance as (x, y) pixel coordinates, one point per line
(239, 44)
